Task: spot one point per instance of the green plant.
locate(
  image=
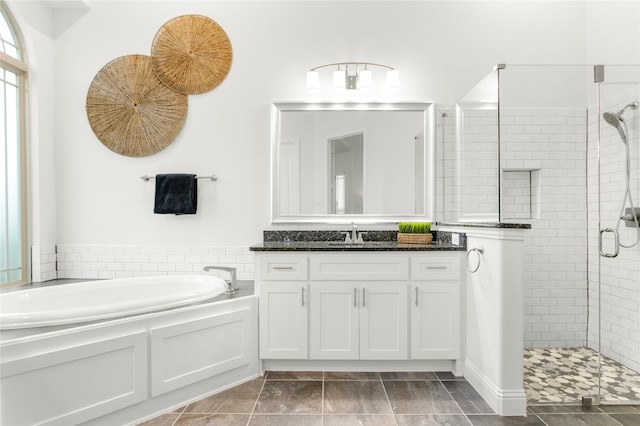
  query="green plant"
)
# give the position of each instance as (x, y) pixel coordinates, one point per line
(414, 227)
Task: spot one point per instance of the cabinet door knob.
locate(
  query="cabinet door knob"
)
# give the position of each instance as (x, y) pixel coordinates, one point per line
(363, 295)
(355, 297)
(417, 296)
(302, 296)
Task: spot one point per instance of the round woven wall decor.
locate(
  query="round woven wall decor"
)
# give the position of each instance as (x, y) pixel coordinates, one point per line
(191, 54)
(131, 112)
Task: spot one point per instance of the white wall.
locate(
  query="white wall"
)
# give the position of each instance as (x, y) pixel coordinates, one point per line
(441, 48)
(612, 32)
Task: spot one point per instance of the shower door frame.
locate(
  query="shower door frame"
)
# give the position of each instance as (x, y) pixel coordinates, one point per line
(600, 82)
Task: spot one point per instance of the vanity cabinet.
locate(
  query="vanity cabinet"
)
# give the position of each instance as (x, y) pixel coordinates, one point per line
(283, 321)
(353, 320)
(358, 306)
(435, 308)
(283, 307)
(391, 305)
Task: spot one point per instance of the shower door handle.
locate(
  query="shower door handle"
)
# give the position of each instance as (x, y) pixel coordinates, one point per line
(616, 243)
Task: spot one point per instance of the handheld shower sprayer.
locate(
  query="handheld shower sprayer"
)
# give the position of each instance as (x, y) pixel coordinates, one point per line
(616, 120)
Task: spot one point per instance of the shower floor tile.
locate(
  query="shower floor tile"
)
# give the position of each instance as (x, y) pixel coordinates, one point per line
(555, 375)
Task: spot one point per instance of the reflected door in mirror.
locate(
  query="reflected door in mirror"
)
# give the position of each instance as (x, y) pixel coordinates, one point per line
(346, 162)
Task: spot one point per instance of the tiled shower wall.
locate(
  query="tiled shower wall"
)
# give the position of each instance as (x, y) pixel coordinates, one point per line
(618, 296)
(468, 192)
(543, 155)
(121, 261)
(544, 183)
(544, 163)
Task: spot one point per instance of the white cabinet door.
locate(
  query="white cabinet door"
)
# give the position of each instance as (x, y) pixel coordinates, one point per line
(351, 320)
(283, 320)
(435, 320)
(334, 320)
(383, 321)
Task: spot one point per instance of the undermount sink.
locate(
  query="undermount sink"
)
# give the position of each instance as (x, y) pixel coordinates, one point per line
(355, 245)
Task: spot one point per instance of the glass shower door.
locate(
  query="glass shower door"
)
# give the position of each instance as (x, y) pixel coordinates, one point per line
(614, 325)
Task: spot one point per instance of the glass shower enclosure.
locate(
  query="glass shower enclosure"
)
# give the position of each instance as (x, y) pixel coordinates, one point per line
(558, 147)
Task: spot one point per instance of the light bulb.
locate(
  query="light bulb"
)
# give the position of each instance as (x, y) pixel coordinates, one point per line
(313, 81)
(393, 79)
(339, 79)
(364, 79)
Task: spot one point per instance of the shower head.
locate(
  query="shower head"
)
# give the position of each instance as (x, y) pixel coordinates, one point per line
(612, 118)
(616, 119)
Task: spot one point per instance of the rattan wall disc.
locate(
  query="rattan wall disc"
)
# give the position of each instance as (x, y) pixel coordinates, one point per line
(191, 54)
(131, 112)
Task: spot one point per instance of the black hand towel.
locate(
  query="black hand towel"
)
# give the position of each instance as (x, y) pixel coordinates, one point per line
(176, 194)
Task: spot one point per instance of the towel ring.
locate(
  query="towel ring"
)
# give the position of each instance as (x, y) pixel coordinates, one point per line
(479, 251)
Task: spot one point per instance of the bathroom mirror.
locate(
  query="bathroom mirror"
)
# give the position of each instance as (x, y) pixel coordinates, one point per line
(352, 162)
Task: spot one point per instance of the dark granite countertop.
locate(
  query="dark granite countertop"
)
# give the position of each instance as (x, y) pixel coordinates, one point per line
(341, 246)
(496, 225)
(306, 240)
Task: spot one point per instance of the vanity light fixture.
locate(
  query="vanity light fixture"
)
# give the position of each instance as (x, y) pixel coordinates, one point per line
(352, 76)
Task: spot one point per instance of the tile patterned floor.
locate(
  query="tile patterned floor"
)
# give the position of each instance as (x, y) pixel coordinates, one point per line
(555, 375)
(372, 399)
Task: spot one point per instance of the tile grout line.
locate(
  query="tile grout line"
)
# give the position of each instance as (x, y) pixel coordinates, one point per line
(322, 400)
(454, 400)
(179, 415)
(255, 404)
(388, 400)
(539, 418)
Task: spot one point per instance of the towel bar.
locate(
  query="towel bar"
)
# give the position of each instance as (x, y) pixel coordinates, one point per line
(212, 177)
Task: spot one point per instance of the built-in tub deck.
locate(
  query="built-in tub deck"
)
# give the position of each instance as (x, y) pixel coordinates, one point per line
(245, 289)
(145, 364)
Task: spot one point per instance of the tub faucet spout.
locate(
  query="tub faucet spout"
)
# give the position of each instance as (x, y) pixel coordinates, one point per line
(232, 284)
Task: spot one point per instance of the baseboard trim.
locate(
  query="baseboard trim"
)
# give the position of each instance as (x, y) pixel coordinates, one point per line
(505, 402)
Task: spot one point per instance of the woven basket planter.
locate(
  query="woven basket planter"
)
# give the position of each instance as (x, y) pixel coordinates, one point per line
(414, 238)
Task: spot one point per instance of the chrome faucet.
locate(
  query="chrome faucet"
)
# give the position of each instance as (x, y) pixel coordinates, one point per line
(232, 284)
(354, 237)
(354, 232)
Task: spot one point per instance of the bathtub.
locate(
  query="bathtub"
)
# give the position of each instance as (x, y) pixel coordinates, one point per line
(97, 300)
(136, 363)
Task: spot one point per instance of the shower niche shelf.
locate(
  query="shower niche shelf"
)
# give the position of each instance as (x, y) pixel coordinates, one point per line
(521, 192)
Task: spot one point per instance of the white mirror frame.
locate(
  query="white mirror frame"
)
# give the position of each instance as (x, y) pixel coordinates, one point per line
(428, 109)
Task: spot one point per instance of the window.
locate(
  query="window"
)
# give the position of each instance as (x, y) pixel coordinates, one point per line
(14, 266)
